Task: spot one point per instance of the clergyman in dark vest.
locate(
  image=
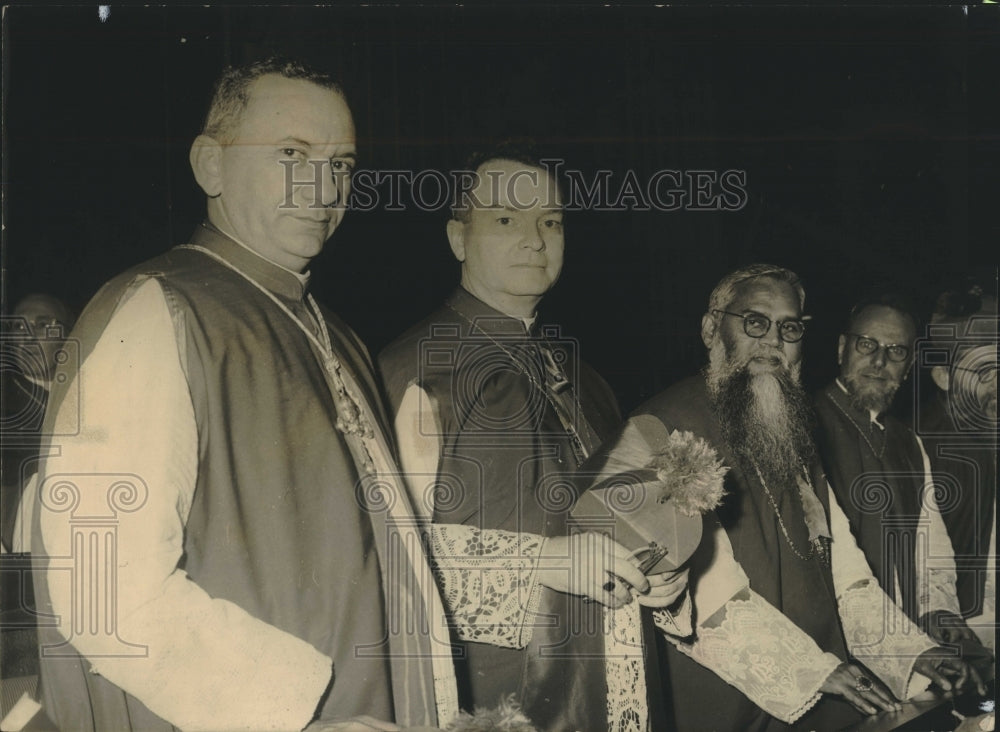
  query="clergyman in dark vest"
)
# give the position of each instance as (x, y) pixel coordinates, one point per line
(879, 470)
(221, 551)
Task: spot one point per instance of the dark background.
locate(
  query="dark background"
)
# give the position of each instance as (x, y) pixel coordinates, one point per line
(869, 137)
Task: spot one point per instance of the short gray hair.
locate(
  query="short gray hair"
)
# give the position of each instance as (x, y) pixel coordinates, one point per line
(725, 292)
(232, 91)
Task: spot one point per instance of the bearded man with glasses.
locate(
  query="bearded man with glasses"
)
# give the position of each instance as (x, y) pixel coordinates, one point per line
(880, 471)
(785, 604)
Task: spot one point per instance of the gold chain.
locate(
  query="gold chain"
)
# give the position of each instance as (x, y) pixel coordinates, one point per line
(578, 447)
(781, 523)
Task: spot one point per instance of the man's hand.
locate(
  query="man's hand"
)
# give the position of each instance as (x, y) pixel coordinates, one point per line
(945, 627)
(865, 692)
(947, 671)
(593, 565)
(664, 588)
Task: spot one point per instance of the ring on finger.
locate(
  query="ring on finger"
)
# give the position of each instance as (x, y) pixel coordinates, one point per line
(863, 683)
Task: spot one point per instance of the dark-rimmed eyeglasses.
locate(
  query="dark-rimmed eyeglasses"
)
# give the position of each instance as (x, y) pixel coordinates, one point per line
(758, 325)
(868, 346)
(984, 374)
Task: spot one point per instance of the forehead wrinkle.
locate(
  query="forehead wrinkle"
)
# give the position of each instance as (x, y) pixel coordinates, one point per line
(776, 300)
(885, 325)
(289, 107)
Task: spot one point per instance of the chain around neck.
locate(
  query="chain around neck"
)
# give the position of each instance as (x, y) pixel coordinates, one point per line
(579, 448)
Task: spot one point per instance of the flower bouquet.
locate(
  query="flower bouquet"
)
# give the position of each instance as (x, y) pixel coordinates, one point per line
(648, 489)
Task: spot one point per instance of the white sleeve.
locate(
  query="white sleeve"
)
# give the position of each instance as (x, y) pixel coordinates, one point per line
(488, 578)
(876, 629)
(418, 434)
(935, 556)
(204, 663)
(749, 643)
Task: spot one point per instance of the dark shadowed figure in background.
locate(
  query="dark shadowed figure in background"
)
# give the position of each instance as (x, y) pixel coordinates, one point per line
(34, 344)
(959, 427)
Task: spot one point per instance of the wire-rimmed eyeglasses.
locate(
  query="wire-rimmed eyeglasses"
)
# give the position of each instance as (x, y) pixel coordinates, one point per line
(867, 346)
(758, 325)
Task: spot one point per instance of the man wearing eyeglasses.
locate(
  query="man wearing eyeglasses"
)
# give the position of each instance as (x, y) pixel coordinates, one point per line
(958, 425)
(880, 472)
(784, 600)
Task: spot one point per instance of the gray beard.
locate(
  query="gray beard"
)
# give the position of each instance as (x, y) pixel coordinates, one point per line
(766, 418)
(865, 398)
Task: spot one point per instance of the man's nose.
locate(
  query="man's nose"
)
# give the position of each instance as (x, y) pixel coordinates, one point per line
(878, 358)
(533, 239)
(316, 185)
(772, 338)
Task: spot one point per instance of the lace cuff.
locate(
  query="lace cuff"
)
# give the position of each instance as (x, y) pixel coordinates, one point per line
(936, 594)
(759, 651)
(879, 634)
(488, 579)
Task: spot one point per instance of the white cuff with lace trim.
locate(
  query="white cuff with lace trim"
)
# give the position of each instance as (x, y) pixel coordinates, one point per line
(763, 654)
(489, 581)
(879, 634)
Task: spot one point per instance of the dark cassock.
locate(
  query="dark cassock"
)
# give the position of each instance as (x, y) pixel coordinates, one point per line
(876, 469)
(882, 479)
(507, 411)
(794, 615)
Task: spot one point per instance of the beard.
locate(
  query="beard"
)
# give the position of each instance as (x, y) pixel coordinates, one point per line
(766, 417)
(866, 397)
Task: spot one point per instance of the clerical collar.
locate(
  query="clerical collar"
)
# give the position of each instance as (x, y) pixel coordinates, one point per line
(872, 415)
(274, 277)
(488, 318)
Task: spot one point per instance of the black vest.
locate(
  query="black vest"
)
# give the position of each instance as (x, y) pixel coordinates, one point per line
(275, 525)
(877, 475)
(802, 589)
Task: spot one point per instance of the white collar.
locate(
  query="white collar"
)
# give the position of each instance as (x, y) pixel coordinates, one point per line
(302, 277)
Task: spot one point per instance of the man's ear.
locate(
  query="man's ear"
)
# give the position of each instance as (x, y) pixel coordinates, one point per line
(456, 238)
(708, 329)
(940, 376)
(206, 162)
(841, 342)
